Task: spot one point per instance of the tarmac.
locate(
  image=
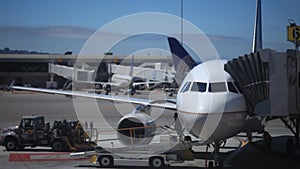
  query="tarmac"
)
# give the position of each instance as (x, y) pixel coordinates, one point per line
(55, 107)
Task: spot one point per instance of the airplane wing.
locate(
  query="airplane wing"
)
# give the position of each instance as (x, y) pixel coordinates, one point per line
(167, 104)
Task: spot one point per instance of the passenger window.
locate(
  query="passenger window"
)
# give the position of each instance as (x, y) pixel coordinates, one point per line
(232, 88)
(217, 87)
(198, 87)
(186, 87)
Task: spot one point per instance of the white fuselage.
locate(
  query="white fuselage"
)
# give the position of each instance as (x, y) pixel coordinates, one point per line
(122, 81)
(210, 106)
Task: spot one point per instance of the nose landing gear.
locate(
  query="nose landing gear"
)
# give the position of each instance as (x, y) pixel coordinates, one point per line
(217, 162)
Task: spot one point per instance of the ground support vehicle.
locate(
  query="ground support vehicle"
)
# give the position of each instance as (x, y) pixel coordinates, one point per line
(141, 156)
(33, 131)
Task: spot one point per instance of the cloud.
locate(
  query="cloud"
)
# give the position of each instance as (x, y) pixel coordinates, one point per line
(76, 32)
(66, 32)
(54, 38)
(211, 37)
(223, 37)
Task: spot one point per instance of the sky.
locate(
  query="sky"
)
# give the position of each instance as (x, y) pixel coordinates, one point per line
(56, 26)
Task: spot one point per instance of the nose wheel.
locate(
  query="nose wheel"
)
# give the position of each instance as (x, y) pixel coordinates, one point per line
(217, 162)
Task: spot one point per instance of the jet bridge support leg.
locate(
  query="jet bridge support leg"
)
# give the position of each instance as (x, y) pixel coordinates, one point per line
(292, 123)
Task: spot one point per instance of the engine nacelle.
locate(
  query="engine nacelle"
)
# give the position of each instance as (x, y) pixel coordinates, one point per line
(136, 129)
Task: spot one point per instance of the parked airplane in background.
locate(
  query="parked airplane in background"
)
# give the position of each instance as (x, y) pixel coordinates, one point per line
(132, 81)
(209, 105)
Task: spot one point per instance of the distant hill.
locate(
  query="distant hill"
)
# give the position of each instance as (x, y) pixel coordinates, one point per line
(13, 51)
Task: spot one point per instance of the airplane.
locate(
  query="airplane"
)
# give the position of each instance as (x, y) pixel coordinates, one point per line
(209, 104)
(130, 81)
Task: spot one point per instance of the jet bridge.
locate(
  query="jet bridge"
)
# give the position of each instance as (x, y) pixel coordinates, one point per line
(147, 73)
(70, 72)
(270, 83)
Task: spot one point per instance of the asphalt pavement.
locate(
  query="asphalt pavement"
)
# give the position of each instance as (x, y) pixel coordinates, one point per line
(56, 107)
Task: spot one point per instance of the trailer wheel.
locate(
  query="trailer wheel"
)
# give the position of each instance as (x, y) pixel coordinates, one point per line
(58, 145)
(106, 161)
(10, 144)
(156, 162)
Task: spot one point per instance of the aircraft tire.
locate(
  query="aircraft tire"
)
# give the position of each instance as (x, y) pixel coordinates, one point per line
(210, 164)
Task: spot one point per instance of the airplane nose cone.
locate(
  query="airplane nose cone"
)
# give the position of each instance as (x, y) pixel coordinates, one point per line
(207, 108)
(214, 117)
(204, 117)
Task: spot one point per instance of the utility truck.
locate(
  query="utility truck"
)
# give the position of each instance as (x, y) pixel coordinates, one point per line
(33, 131)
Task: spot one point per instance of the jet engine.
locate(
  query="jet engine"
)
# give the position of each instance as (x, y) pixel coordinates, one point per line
(136, 128)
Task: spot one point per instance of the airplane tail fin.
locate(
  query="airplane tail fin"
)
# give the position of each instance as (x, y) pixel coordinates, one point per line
(257, 36)
(11, 85)
(183, 62)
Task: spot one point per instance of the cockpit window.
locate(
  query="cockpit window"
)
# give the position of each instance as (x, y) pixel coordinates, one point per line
(199, 87)
(232, 87)
(183, 87)
(217, 87)
(186, 87)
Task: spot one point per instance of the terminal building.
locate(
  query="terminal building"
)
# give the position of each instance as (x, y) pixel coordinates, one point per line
(33, 69)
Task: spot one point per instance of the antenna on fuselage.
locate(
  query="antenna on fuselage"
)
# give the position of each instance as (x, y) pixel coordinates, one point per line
(257, 35)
